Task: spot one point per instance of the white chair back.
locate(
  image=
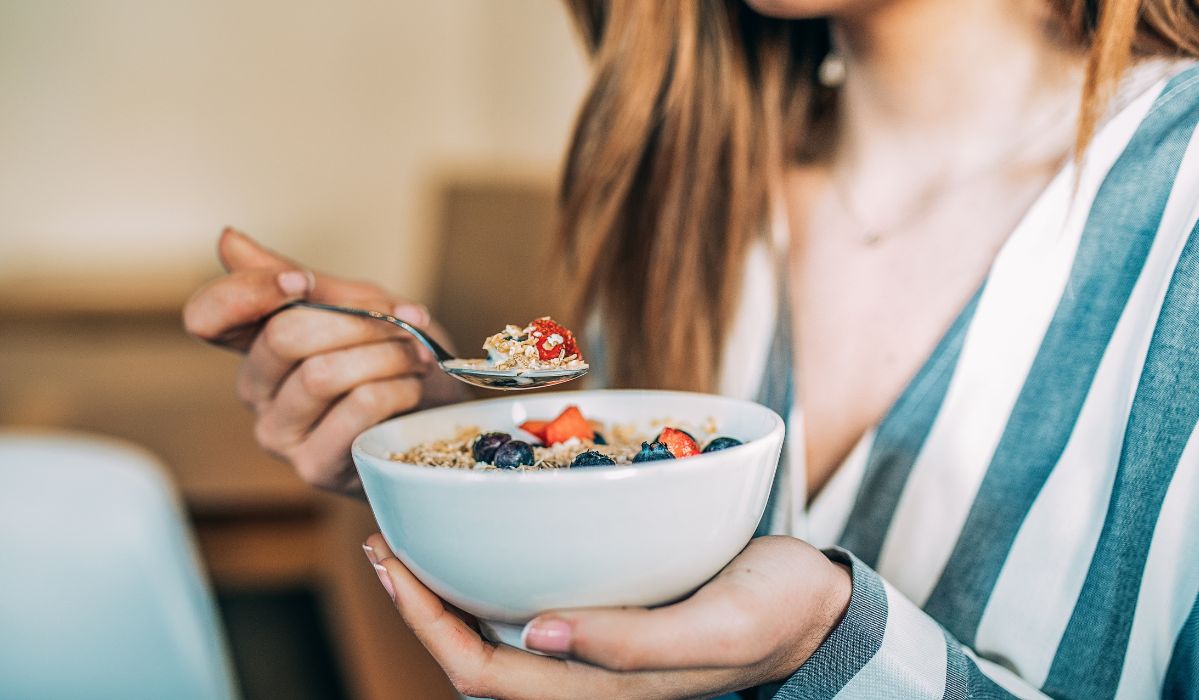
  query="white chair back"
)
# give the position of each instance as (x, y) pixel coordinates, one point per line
(101, 591)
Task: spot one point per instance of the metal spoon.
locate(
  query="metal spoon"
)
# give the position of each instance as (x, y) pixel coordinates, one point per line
(463, 370)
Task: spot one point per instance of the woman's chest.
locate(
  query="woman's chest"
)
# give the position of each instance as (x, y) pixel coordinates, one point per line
(867, 316)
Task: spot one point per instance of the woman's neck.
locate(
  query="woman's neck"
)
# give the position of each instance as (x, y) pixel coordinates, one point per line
(959, 82)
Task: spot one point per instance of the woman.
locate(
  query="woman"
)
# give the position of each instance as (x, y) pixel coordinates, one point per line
(968, 227)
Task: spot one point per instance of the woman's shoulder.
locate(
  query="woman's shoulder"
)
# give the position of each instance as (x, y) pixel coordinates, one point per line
(1137, 190)
(1149, 76)
(1154, 105)
(1152, 200)
(1143, 163)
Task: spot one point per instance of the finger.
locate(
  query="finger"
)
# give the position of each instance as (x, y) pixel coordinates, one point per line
(322, 458)
(227, 310)
(457, 647)
(239, 251)
(296, 334)
(376, 548)
(377, 545)
(307, 393)
(479, 669)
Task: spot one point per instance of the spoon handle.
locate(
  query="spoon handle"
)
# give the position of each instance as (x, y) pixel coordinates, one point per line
(434, 347)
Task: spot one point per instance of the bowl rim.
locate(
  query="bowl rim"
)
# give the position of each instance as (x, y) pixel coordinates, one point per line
(777, 429)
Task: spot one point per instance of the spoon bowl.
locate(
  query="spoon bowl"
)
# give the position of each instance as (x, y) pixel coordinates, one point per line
(507, 379)
(473, 372)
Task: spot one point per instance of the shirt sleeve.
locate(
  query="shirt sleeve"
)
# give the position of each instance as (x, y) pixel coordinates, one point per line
(886, 647)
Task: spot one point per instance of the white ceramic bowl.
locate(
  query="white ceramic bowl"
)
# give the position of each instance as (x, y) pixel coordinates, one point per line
(505, 546)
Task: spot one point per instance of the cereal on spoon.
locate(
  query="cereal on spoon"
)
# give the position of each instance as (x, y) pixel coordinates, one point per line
(542, 344)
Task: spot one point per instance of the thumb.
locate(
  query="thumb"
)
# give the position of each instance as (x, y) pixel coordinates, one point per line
(691, 634)
(240, 252)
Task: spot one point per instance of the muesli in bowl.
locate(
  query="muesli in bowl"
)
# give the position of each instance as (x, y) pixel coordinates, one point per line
(569, 441)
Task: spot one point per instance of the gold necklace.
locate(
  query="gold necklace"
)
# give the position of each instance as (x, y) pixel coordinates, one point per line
(871, 235)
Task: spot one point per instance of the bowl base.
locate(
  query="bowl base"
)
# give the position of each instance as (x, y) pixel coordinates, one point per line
(506, 633)
(502, 633)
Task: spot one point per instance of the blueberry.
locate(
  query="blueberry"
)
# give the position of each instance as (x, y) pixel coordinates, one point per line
(484, 447)
(514, 453)
(591, 458)
(651, 452)
(721, 443)
(599, 438)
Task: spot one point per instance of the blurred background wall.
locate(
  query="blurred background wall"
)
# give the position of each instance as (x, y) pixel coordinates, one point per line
(131, 131)
(368, 138)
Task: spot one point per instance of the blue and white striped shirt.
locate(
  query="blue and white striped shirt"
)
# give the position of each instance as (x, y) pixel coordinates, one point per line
(1025, 519)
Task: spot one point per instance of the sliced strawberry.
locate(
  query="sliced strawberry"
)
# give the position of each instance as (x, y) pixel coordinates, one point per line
(536, 428)
(570, 423)
(679, 442)
(553, 340)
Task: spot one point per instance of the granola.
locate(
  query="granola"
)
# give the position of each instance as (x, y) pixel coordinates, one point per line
(568, 441)
(543, 344)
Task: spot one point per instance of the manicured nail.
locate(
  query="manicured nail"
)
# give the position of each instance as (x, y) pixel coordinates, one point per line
(385, 579)
(293, 283)
(551, 636)
(370, 553)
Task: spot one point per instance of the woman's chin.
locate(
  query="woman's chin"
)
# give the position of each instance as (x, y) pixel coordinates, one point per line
(806, 9)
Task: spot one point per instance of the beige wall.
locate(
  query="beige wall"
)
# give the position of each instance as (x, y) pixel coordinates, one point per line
(131, 131)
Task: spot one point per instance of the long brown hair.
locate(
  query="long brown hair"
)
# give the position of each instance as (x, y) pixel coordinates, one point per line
(695, 109)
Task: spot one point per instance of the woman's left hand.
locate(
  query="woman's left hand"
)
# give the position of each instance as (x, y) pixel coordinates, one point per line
(757, 621)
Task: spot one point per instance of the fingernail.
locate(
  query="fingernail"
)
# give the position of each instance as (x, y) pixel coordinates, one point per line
(552, 636)
(370, 553)
(385, 579)
(293, 283)
(416, 314)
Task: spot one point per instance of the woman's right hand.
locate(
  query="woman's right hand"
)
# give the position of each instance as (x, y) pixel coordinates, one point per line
(314, 379)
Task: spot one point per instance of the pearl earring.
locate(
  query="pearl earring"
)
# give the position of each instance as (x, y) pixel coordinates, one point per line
(832, 70)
